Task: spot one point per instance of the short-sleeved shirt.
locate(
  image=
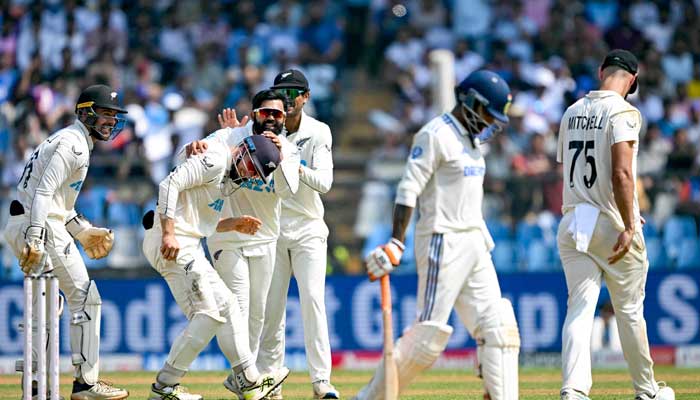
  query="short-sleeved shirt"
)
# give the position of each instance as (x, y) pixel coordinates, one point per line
(444, 175)
(588, 130)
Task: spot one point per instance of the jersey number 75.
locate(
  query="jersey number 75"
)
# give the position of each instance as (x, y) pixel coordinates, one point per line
(578, 146)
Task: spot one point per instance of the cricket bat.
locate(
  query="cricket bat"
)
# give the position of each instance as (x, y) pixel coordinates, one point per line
(391, 382)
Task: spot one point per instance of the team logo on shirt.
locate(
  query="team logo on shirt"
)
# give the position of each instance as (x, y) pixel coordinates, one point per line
(76, 185)
(76, 152)
(416, 152)
(205, 162)
(217, 205)
(302, 142)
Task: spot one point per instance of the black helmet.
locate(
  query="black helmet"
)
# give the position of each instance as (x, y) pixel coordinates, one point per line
(101, 96)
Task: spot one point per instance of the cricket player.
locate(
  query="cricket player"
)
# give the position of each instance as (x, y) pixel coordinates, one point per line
(44, 225)
(600, 235)
(444, 175)
(301, 247)
(246, 262)
(190, 201)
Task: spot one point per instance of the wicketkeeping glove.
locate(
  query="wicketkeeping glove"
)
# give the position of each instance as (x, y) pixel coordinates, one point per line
(33, 255)
(384, 259)
(97, 242)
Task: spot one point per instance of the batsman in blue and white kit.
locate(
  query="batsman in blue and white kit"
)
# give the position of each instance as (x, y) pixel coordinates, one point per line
(444, 175)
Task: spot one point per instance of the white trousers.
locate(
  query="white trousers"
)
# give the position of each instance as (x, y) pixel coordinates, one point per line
(247, 272)
(301, 253)
(625, 281)
(198, 289)
(63, 257)
(455, 270)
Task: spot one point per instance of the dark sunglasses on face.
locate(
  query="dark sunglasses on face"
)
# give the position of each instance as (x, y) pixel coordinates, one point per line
(291, 93)
(265, 113)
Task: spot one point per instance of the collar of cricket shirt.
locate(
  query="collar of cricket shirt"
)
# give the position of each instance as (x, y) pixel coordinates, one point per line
(86, 134)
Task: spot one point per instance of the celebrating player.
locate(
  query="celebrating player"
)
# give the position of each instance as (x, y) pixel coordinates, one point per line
(600, 234)
(44, 225)
(190, 202)
(445, 174)
(301, 247)
(244, 261)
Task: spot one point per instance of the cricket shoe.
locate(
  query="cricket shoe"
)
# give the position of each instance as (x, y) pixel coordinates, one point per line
(265, 384)
(275, 394)
(176, 392)
(664, 393)
(570, 394)
(324, 390)
(100, 391)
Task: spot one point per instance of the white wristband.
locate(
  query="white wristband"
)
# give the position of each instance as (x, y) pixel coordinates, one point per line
(77, 224)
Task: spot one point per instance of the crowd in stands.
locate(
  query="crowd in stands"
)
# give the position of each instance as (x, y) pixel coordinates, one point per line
(549, 52)
(177, 63)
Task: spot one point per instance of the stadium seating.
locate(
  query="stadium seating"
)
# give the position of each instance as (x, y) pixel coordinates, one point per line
(676, 229)
(689, 256)
(656, 253)
(503, 256)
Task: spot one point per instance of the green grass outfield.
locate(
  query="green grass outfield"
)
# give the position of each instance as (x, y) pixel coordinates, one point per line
(535, 383)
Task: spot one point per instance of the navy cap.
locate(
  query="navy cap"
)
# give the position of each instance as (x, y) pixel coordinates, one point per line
(625, 60)
(264, 153)
(100, 96)
(291, 79)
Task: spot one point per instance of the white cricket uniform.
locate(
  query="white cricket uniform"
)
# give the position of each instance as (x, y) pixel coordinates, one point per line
(193, 195)
(588, 232)
(445, 175)
(246, 262)
(301, 251)
(48, 189)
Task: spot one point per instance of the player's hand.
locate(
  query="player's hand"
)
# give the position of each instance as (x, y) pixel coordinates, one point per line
(169, 247)
(274, 138)
(243, 224)
(624, 242)
(228, 119)
(97, 242)
(196, 147)
(33, 255)
(383, 259)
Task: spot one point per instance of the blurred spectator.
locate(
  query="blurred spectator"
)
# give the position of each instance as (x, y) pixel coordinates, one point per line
(653, 152)
(682, 155)
(178, 63)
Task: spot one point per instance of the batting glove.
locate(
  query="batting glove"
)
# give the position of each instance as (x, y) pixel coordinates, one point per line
(384, 259)
(97, 242)
(33, 255)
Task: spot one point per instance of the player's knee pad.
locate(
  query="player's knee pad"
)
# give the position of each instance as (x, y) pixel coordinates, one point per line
(193, 340)
(418, 349)
(498, 343)
(85, 335)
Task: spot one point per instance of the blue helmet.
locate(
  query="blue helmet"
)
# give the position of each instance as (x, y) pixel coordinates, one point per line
(489, 89)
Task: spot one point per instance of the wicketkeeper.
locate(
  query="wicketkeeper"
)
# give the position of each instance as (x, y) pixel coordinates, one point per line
(44, 225)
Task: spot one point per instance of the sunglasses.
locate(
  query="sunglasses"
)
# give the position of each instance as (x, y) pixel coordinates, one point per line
(291, 93)
(265, 113)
